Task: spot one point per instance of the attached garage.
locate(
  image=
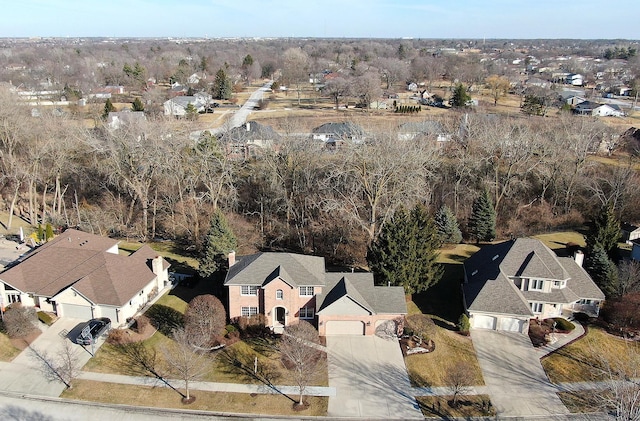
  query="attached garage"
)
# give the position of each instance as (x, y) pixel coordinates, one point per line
(344, 327)
(511, 325)
(77, 311)
(481, 321)
(111, 313)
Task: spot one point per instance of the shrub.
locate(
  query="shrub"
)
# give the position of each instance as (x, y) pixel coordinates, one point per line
(141, 324)
(45, 318)
(19, 320)
(463, 324)
(421, 325)
(563, 324)
(118, 337)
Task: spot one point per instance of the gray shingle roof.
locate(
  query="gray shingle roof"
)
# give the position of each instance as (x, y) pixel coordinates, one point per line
(489, 272)
(256, 269)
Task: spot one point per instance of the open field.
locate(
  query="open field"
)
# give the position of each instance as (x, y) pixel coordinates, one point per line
(205, 401)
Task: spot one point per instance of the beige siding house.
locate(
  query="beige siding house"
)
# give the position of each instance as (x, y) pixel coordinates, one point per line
(83, 276)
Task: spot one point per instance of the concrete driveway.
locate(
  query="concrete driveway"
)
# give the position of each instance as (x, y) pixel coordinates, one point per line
(23, 374)
(514, 378)
(370, 379)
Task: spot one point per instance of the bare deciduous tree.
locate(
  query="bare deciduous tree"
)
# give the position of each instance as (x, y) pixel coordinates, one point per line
(204, 319)
(64, 366)
(299, 352)
(20, 320)
(295, 68)
(459, 380)
(185, 360)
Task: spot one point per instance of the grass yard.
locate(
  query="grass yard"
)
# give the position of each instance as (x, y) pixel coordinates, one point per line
(584, 401)
(205, 401)
(167, 249)
(559, 240)
(431, 369)
(469, 406)
(7, 351)
(579, 361)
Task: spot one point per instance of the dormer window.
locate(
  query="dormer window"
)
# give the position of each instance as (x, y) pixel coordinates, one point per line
(559, 284)
(279, 294)
(536, 284)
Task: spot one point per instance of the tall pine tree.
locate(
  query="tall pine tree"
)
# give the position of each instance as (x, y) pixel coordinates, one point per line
(222, 85)
(406, 250)
(460, 96)
(605, 230)
(219, 242)
(447, 226)
(602, 270)
(108, 108)
(482, 222)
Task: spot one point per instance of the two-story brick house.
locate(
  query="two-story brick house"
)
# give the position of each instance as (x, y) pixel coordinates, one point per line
(286, 287)
(507, 284)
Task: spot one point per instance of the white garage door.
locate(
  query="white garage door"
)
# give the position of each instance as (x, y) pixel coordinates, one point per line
(76, 311)
(484, 322)
(511, 325)
(111, 313)
(344, 327)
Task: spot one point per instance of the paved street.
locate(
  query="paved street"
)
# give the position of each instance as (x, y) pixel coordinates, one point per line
(514, 377)
(370, 379)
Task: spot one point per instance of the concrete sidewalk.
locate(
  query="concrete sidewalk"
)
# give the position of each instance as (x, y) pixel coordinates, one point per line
(561, 339)
(208, 386)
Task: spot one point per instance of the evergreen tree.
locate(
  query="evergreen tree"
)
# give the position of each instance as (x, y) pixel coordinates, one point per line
(447, 226)
(191, 112)
(222, 85)
(460, 96)
(602, 270)
(534, 105)
(137, 105)
(219, 242)
(108, 108)
(48, 233)
(482, 222)
(406, 250)
(605, 230)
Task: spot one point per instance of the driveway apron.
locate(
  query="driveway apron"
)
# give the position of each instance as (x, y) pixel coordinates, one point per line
(514, 377)
(370, 379)
(24, 375)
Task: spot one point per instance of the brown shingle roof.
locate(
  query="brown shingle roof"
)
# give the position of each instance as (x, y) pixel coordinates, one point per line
(80, 260)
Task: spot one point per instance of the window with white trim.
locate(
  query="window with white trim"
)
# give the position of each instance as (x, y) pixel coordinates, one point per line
(536, 284)
(249, 290)
(13, 297)
(249, 311)
(306, 291)
(306, 313)
(536, 307)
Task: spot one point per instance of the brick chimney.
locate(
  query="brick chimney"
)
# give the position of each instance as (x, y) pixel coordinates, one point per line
(232, 258)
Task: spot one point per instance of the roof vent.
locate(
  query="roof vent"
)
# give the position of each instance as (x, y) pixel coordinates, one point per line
(495, 257)
(474, 272)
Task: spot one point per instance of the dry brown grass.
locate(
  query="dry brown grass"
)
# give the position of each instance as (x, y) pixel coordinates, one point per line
(469, 406)
(431, 369)
(7, 350)
(206, 401)
(559, 240)
(584, 401)
(578, 361)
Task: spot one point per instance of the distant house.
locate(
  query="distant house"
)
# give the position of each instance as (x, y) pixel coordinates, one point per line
(600, 110)
(629, 232)
(575, 100)
(336, 134)
(574, 79)
(535, 81)
(507, 284)
(412, 86)
(177, 106)
(249, 140)
(83, 276)
(287, 287)
(427, 129)
(118, 119)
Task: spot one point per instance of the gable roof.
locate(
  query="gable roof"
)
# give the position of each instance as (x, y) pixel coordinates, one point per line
(81, 260)
(488, 274)
(339, 129)
(251, 130)
(260, 268)
(360, 288)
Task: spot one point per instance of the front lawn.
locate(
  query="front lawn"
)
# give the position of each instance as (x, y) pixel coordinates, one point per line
(468, 406)
(206, 401)
(578, 361)
(7, 351)
(431, 369)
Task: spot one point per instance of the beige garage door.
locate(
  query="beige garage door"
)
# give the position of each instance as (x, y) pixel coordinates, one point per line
(345, 327)
(76, 311)
(511, 325)
(484, 322)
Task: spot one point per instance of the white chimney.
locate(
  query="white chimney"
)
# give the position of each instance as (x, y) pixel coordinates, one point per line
(248, 126)
(232, 258)
(579, 257)
(156, 265)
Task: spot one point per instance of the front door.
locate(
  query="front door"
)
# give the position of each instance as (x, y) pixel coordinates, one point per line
(280, 316)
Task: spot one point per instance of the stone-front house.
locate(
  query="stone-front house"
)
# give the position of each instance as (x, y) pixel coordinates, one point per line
(81, 275)
(507, 284)
(287, 287)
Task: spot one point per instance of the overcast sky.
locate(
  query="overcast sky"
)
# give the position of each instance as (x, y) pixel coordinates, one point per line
(587, 19)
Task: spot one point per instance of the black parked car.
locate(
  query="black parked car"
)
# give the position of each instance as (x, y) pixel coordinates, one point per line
(96, 328)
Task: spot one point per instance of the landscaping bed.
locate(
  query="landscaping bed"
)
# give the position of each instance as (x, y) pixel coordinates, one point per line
(540, 331)
(468, 406)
